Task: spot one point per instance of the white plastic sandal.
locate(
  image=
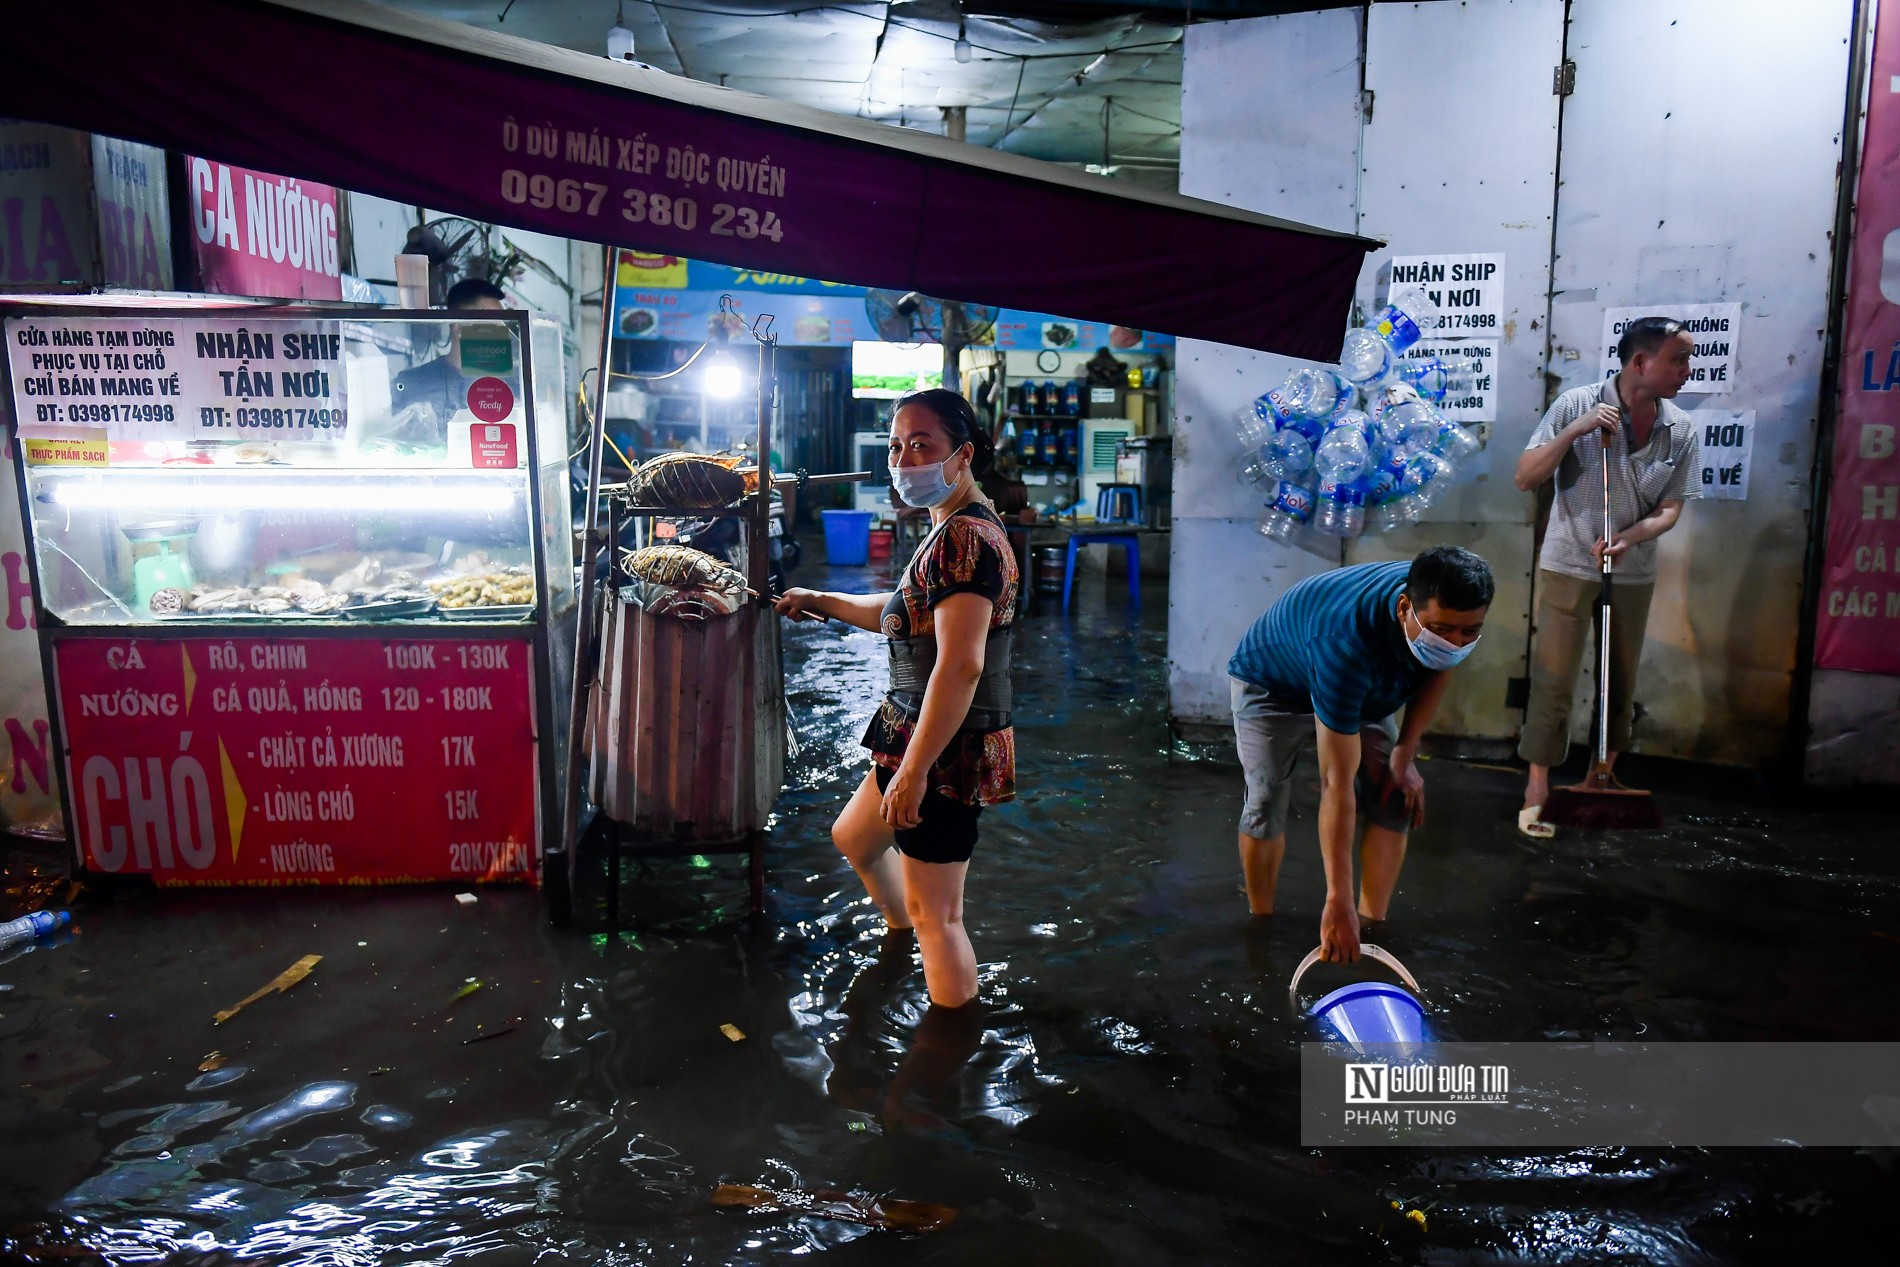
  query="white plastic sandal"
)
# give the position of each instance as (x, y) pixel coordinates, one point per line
(1530, 823)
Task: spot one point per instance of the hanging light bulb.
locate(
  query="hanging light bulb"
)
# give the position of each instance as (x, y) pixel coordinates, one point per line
(962, 46)
(619, 38)
(722, 375)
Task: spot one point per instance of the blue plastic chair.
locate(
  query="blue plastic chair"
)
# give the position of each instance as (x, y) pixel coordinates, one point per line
(1131, 550)
(1118, 504)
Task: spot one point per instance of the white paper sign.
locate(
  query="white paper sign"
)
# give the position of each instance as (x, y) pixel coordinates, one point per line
(1468, 289)
(1715, 327)
(1728, 444)
(1479, 402)
(217, 378)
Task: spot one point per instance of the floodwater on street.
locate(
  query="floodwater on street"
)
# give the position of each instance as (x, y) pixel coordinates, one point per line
(1127, 1091)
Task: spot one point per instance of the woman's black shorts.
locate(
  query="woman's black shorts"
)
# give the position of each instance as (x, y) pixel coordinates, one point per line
(945, 830)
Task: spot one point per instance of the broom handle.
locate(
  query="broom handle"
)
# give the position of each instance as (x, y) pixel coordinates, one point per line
(1603, 626)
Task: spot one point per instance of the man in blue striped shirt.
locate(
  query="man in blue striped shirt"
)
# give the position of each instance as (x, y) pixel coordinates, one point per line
(1328, 666)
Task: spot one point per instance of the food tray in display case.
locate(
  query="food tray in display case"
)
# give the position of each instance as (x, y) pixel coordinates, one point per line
(519, 611)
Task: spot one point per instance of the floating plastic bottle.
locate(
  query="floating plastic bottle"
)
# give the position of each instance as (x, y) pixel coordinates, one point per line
(1341, 510)
(31, 927)
(1366, 358)
(1315, 393)
(1290, 510)
(1408, 316)
(1345, 452)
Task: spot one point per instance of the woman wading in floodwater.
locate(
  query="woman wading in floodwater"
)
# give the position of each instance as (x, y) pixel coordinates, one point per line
(941, 744)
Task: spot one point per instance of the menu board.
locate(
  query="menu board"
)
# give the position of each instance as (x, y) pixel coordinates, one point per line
(277, 761)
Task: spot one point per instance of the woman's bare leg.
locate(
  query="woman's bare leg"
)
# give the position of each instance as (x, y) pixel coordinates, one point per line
(865, 840)
(934, 895)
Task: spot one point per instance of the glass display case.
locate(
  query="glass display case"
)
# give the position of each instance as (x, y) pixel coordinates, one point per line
(304, 587)
(250, 467)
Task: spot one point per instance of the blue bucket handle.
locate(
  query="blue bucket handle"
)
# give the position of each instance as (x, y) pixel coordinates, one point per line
(1367, 949)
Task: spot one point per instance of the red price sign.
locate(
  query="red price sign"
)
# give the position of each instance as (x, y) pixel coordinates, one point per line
(265, 761)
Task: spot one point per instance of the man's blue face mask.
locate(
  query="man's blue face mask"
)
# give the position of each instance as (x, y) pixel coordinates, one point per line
(1434, 651)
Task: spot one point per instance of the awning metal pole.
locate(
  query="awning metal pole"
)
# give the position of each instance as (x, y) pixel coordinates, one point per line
(586, 630)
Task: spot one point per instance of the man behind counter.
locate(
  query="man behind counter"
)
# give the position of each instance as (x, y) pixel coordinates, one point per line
(441, 384)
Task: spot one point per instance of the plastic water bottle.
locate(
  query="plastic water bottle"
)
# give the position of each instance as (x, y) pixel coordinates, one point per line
(1315, 393)
(1256, 421)
(1424, 478)
(1410, 427)
(1289, 454)
(31, 927)
(1408, 316)
(1379, 489)
(1289, 511)
(1454, 443)
(1436, 377)
(1341, 511)
(1345, 452)
(1257, 468)
(1366, 358)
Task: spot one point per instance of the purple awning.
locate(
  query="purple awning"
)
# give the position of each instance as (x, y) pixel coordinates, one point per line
(535, 137)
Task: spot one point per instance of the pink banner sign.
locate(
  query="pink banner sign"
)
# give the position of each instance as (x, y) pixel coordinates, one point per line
(1858, 624)
(258, 234)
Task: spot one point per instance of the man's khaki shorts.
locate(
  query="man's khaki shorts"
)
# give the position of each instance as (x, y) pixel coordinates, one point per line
(1271, 740)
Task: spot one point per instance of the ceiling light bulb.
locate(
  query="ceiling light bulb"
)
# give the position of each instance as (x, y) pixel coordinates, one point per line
(619, 39)
(962, 46)
(722, 376)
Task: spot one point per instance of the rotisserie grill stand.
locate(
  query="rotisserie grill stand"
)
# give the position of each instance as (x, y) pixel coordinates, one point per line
(682, 722)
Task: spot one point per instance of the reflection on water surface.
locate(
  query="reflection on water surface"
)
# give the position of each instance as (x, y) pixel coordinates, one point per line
(1125, 1091)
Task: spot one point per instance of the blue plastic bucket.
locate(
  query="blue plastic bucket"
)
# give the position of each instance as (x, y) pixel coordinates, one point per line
(1371, 1012)
(848, 537)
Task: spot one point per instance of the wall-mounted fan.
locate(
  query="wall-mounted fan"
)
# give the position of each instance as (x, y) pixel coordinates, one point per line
(456, 249)
(911, 317)
(460, 249)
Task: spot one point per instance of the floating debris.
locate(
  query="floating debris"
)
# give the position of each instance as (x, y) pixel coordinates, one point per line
(889, 1213)
(482, 1038)
(212, 1062)
(284, 980)
(473, 984)
(733, 1032)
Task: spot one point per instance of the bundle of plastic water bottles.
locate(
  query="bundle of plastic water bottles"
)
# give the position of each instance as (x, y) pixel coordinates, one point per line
(1361, 446)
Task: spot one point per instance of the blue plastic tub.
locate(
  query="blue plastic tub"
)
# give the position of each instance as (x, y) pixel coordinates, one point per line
(848, 537)
(1371, 1012)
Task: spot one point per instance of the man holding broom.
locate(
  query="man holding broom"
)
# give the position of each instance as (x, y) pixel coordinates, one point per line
(1619, 451)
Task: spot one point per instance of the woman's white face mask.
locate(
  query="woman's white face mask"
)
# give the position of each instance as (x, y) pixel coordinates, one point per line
(926, 486)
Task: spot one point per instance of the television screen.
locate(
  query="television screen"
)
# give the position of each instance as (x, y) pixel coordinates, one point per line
(883, 371)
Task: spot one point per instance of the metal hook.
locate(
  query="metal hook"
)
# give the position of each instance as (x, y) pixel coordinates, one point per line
(762, 328)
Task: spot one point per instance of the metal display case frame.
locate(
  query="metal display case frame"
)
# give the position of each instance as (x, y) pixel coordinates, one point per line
(548, 631)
